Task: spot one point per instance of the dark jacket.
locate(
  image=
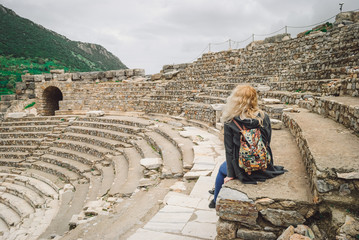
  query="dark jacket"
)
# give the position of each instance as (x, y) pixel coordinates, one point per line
(232, 136)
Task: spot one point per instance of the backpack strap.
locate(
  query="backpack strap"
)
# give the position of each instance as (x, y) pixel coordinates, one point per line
(238, 125)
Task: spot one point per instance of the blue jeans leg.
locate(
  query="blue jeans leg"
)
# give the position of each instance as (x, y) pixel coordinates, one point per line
(222, 173)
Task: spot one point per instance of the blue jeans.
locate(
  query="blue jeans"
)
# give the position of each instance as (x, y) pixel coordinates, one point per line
(222, 173)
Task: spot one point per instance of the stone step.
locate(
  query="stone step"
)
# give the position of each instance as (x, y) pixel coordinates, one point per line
(121, 167)
(96, 151)
(63, 173)
(40, 119)
(94, 140)
(146, 149)
(135, 172)
(9, 216)
(21, 141)
(70, 164)
(184, 145)
(14, 155)
(130, 120)
(30, 123)
(72, 203)
(46, 178)
(34, 199)
(286, 195)
(206, 99)
(17, 148)
(27, 128)
(275, 110)
(108, 134)
(42, 186)
(4, 229)
(11, 162)
(343, 109)
(10, 135)
(108, 126)
(108, 176)
(172, 160)
(21, 206)
(75, 155)
(331, 154)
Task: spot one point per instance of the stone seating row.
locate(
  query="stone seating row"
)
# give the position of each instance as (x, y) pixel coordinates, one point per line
(71, 156)
(342, 109)
(334, 87)
(24, 202)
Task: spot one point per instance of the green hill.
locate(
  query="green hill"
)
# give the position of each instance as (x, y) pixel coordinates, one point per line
(28, 47)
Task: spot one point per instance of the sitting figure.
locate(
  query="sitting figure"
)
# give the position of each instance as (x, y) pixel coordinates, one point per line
(247, 136)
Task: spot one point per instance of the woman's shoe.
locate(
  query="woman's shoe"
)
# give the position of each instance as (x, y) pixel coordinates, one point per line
(212, 204)
(211, 191)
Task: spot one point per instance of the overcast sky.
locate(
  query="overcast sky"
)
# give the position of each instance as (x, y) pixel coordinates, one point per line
(151, 33)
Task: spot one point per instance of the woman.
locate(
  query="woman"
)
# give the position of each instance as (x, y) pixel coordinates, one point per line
(242, 106)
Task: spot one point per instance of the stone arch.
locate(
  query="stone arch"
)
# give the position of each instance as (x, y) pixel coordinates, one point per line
(51, 97)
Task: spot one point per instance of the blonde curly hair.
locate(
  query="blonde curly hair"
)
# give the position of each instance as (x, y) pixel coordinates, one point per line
(242, 102)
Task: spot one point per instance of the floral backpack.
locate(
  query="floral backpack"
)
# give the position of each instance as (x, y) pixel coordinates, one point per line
(253, 154)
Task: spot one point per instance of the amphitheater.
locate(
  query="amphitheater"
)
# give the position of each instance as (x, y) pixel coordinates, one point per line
(122, 155)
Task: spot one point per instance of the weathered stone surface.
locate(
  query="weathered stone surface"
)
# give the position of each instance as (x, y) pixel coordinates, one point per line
(276, 124)
(296, 236)
(195, 175)
(323, 186)
(350, 175)
(236, 206)
(226, 229)
(16, 115)
(95, 113)
(286, 233)
(350, 227)
(151, 163)
(254, 235)
(57, 71)
(281, 217)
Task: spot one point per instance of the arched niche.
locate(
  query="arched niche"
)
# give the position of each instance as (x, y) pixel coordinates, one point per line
(51, 97)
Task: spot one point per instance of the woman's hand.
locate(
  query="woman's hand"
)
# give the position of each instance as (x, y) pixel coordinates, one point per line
(227, 179)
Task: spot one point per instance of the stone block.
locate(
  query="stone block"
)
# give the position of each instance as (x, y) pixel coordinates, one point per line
(109, 74)
(195, 175)
(139, 72)
(76, 76)
(60, 77)
(57, 71)
(254, 235)
(16, 115)
(20, 86)
(129, 73)
(95, 113)
(286, 233)
(27, 78)
(30, 85)
(47, 76)
(234, 205)
(281, 217)
(8, 97)
(350, 175)
(39, 78)
(226, 229)
(156, 76)
(151, 163)
(119, 73)
(276, 124)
